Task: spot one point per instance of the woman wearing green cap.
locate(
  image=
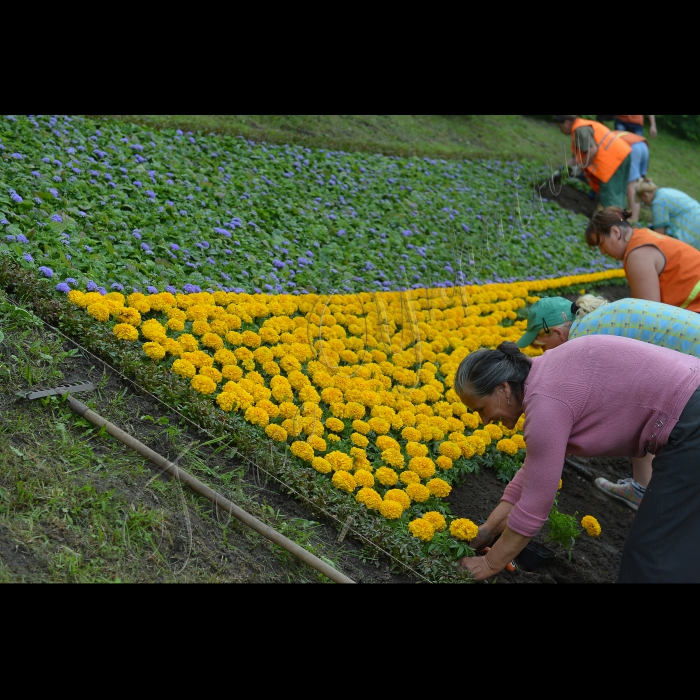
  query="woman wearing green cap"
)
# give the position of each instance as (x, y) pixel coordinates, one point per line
(554, 320)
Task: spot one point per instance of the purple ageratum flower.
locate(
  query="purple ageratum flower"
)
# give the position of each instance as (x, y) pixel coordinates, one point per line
(56, 178)
(137, 183)
(46, 271)
(146, 247)
(183, 212)
(151, 194)
(19, 156)
(171, 289)
(62, 287)
(102, 290)
(223, 232)
(28, 257)
(152, 290)
(135, 233)
(53, 191)
(4, 222)
(137, 147)
(15, 197)
(174, 246)
(91, 286)
(21, 238)
(57, 218)
(278, 264)
(117, 286)
(139, 159)
(36, 173)
(82, 213)
(71, 280)
(191, 289)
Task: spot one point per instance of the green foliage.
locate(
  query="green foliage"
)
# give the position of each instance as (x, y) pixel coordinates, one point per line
(687, 126)
(563, 529)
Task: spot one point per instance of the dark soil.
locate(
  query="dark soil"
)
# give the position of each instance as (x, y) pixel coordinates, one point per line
(593, 560)
(569, 197)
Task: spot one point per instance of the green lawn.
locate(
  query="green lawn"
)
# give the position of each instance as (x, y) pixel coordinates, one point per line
(510, 137)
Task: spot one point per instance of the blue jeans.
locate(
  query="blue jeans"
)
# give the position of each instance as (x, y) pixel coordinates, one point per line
(627, 126)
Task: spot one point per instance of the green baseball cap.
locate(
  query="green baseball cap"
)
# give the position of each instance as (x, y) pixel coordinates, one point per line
(545, 313)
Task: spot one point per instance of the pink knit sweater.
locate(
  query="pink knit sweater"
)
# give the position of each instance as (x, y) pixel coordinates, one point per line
(597, 395)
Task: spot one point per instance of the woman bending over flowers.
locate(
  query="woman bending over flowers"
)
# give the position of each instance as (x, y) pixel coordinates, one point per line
(602, 395)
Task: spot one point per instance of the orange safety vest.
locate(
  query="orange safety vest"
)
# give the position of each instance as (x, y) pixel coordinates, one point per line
(612, 150)
(631, 118)
(680, 280)
(630, 138)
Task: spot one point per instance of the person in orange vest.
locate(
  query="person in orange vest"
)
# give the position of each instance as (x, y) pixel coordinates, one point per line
(658, 267)
(612, 161)
(635, 124)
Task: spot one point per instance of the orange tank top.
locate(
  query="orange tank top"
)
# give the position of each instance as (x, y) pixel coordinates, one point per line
(680, 280)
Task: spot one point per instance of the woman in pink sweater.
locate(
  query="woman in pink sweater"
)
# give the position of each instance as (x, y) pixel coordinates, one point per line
(599, 395)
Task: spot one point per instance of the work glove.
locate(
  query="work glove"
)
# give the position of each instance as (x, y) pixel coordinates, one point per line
(574, 171)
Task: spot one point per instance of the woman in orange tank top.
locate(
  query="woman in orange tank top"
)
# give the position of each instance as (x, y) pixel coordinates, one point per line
(658, 267)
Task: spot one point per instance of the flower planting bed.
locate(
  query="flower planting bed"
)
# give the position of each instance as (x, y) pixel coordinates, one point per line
(317, 301)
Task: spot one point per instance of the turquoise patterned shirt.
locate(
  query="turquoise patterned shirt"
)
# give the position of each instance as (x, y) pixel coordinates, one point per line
(678, 213)
(649, 321)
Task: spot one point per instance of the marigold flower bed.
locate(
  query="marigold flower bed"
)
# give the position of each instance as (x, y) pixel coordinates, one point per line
(358, 386)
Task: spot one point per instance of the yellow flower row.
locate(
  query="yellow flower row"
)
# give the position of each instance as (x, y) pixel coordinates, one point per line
(361, 371)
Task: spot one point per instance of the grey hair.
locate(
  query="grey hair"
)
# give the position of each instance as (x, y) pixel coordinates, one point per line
(588, 303)
(482, 371)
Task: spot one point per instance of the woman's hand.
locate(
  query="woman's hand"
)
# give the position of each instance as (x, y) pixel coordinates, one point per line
(479, 566)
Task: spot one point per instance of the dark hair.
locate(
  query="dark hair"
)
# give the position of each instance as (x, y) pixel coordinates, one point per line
(482, 371)
(561, 118)
(601, 223)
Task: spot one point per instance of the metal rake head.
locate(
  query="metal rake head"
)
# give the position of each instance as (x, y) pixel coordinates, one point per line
(73, 388)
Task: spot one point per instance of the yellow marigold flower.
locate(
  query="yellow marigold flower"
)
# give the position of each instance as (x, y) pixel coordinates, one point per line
(331, 395)
(476, 443)
(340, 461)
(321, 465)
(276, 432)
(184, 368)
(418, 492)
(444, 462)
(363, 477)
(416, 449)
(333, 438)
(379, 425)
(519, 441)
(494, 431)
(271, 367)
(422, 529)
(439, 488)
(463, 529)
(370, 498)
(154, 350)
(400, 496)
(99, 311)
(226, 401)
(129, 315)
(450, 449)
(423, 466)
(250, 339)
(437, 520)
(361, 427)
(211, 340)
(270, 408)
(302, 450)
(359, 440)
(125, 331)
(470, 420)
(200, 327)
(560, 485)
(337, 426)
(591, 525)
(391, 509)
(393, 457)
(506, 445)
(232, 372)
(189, 342)
(344, 481)
(202, 384)
(384, 442)
(212, 373)
(318, 443)
(386, 476)
(409, 477)
(256, 416)
(75, 296)
(175, 324)
(411, 434)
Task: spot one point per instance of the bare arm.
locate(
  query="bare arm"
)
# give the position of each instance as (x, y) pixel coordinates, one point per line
(644, 265)
(509, 545)
(494, 525)
(652, 128)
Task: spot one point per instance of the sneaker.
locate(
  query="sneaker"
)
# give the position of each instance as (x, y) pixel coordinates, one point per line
(622, 491)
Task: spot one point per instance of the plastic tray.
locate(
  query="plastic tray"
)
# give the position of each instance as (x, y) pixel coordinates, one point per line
(534, 555)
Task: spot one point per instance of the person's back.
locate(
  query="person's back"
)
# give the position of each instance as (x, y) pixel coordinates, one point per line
(677, 213)
(649, 321)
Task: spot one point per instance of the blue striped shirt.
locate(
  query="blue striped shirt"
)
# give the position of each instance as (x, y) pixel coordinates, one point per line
(678, 213)
(648, 321)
